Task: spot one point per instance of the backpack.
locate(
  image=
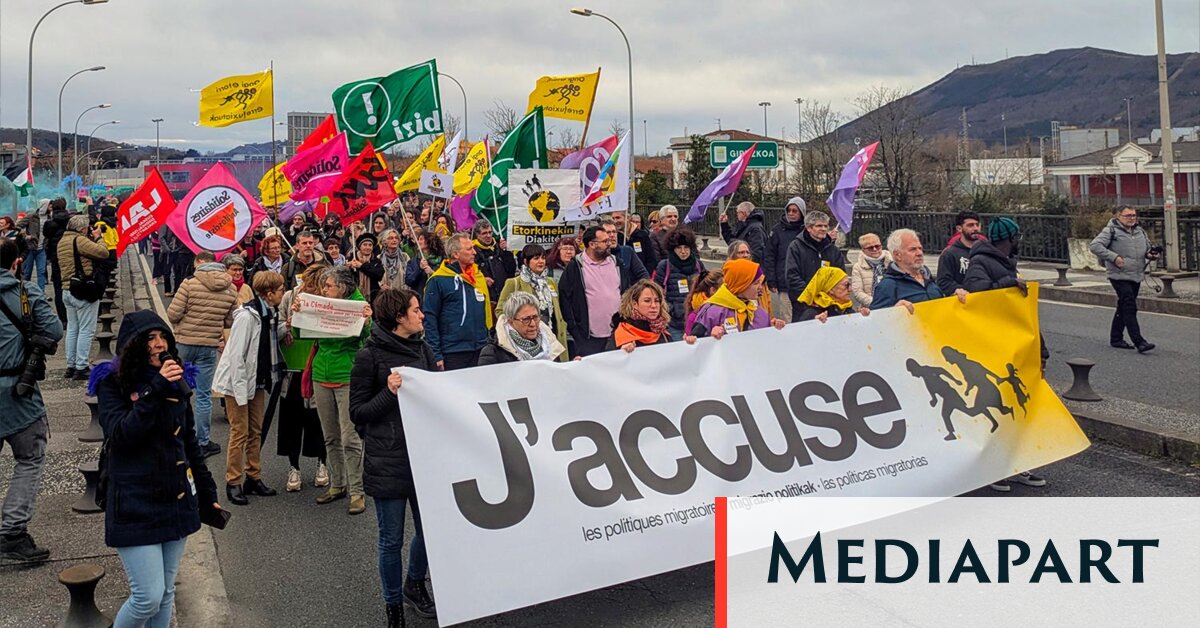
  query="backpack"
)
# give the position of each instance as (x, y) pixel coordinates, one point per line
(1112, 233)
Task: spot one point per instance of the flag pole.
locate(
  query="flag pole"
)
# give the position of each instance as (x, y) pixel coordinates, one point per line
(412, 232)
(487, 155)
(588, 121)
(274, 170)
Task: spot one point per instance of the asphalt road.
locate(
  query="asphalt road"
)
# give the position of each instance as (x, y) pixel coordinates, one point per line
(287, 561)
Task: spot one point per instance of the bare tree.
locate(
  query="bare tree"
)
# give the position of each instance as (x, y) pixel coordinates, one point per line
(617, 128)
(451, 125)
(566, 137)
(500, 120)
(891, 117)
(825, 154)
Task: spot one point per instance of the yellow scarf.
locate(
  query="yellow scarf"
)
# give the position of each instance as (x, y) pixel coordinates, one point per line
(730, 301)
(472, 277)
(482, 245)
(816, 293)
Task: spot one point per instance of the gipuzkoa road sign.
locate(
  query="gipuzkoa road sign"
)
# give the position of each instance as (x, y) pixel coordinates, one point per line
(721, 152)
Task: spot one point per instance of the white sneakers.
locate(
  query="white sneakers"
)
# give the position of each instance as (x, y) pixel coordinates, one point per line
(322, 478)
(293, 480)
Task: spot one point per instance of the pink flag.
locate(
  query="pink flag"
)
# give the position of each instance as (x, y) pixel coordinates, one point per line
(590, 160)
(841, 200)
(316, 171)
(216, 214)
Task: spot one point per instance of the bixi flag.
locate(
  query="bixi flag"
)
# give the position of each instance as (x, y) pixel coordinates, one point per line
(391, 109)
(216, 214)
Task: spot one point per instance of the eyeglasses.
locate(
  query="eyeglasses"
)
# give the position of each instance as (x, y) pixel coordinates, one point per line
(1128, 215)
(873, 247)
(528, 320)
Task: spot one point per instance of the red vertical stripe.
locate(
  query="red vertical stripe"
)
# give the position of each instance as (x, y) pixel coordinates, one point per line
(721, 562)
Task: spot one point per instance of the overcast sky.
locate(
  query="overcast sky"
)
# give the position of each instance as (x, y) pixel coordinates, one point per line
(694, 61)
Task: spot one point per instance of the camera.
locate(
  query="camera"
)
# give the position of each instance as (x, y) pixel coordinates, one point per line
(1157, 249)
(35, 366)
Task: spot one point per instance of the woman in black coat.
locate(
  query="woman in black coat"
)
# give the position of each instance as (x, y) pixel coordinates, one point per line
(397, 339)
(158, 484)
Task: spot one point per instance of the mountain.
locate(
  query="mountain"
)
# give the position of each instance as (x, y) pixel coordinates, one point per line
(261, 148)
(1083, 87)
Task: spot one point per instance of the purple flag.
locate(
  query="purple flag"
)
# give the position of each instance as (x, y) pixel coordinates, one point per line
(725, 184)
(460, 211)
(291, 208)
(841, 201)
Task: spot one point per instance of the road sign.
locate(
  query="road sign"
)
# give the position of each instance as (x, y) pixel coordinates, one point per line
(721, 152)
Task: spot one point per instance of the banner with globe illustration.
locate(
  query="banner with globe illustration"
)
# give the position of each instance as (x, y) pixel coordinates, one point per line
(537, 202)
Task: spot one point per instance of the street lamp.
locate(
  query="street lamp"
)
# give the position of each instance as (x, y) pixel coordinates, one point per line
(629, 52)
(102, 124)
(157, 157)
(99, 150)
(466, 133)
(60, 95)
(75, 153)
(1128, 121)
(764, 104)
(799, 120)
(29, 94)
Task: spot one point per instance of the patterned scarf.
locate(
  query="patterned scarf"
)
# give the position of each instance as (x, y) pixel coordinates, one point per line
(541, 290)
(537, 349)
(393, 267)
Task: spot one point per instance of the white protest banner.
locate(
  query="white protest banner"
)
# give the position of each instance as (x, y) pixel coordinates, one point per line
(538, 201)
(436, 183)
(329, 318)
(583, 475)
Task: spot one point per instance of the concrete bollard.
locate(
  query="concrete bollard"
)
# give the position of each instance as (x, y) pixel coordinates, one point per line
(106, 306)
(81, 581)
(106, 322)
(704, 246)
(91, 476)
(1081, 388)
(110, 292)
(1168, 290)
(93, 433)
(105, 341)
(1062, 280)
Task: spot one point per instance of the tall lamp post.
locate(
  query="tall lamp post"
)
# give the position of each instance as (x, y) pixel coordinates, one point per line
(157, 145)
(1128, 122)
(60, 95)
(98, 126)
(466, 128)
(29, 94)
(764, 104)
(75, 137)
(1167, 152)
(629, 53)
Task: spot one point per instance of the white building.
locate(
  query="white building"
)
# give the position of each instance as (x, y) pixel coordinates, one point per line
(789, 154)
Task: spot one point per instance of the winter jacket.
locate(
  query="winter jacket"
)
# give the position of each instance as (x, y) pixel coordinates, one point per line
(32, 227)
(203, 306)
(500, 350)
(810, 312)
(90, 252)
(710, 316)
(572, 296)
(643, 247)
(455, 315)
(752, 231)
(989, 269)
(1130, 244)
(898, 285)
(805, 257)
(862, 279)
(335, 356)
(952, 266)
(21, 412)
(387, 472)
(497, 264)
(152, 451)
(628, 257)
(293, 269)
(373, 271)
(237, 371)
(677, 283)
(516, 284)
(776, 254)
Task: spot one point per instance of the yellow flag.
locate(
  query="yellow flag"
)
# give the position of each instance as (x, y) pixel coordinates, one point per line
(427, 160)
(275, 188)
(566, 97)
(470, 174)
(236, 99)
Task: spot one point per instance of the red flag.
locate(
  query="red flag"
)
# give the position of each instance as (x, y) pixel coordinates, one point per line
(364, 188)
(323, 133)
(144, 211)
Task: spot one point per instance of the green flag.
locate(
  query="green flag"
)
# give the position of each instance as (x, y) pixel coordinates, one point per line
(391, 109)
(523, 147)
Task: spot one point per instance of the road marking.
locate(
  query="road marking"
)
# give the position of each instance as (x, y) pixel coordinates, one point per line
(158, 304)
(1078, 305)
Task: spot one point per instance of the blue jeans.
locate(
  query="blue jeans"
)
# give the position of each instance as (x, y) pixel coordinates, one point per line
(205, 359)
(81, 328)
(390, 513)
(151, 570)
(35, 259)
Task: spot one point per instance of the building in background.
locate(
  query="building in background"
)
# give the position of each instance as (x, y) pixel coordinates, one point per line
(299, 125)
(1076, 141)
(1130, 174)
(789, 154)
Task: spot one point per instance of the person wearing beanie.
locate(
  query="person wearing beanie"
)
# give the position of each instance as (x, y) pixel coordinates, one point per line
(734, 306)
(827, 294)
(791, 224)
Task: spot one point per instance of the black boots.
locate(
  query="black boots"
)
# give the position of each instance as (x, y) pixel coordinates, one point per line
(1144, 346)
(22, 548)
(417, 596)
(235, 494)
(256, 487)
(395, 615)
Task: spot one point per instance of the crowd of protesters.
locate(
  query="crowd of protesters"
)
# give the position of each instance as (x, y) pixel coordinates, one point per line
(435, 296)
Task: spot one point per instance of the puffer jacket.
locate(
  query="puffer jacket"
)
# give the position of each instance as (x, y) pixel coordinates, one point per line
(203, 307)
(751, 231)
(989, 269)
(90, 252)
(862, 279)
(387, 472)
(776, 255)
(1130, 244)
(676, 282)
(455, 315)
(898, 285)
(335, 356)
(21, 412)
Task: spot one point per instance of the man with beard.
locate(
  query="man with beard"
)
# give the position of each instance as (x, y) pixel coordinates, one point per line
(956, 258)
(590, 292)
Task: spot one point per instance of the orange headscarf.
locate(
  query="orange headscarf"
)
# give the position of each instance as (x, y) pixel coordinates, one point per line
(740, 273)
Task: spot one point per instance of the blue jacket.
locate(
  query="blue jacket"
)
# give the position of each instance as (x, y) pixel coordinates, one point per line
(152, 449)
(898, 285)
(455, 315)
(20, 413)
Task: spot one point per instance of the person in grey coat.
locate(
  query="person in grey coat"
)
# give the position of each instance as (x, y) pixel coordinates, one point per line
(1123, 247)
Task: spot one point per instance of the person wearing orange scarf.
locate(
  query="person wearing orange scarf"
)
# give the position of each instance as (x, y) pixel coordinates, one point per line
(734, 306)
(826, 294)
(641, 319)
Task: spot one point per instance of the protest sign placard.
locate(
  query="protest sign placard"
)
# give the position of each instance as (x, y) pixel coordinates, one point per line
(328, 318)
(539, 201)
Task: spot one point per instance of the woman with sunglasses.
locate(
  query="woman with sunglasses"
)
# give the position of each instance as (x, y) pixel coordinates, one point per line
(868, 270)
